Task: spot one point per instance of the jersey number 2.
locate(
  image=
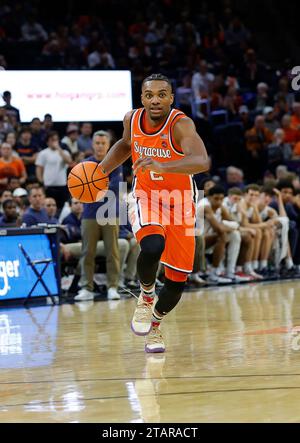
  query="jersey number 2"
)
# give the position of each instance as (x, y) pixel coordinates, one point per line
(155, 176)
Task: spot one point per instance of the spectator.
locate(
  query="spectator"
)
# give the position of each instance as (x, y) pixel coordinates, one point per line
(270, 122)
(10, 166)
(51, 169)
(38, 133)
(100, 58)
(36, 213)
(70, 140)
(4, 195)
(281, 172)
(262, 97)
(73, 221)
(27, 150)
(12, 140)
(51, 209)
(291, 135)
(257, 140)
(20, 198)
(184, 95)
(295, 119)
(91, 231)
(5, 125)
(234, 178)
(11, 111)
(48, 123)
(85, 143)
(278, 152)
(202, 82)
(10, 218)
(244, 117)
(32, 31)
(13, 183)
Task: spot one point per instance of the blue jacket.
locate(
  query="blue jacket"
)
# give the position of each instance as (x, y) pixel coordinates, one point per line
(115, 177)
(73, 225)
(32, 217)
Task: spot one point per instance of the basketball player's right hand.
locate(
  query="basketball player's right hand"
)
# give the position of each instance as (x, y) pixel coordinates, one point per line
(147, 163)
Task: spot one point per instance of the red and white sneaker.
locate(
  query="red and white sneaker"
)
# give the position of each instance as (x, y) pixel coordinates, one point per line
(243, 275)
(141, 320)
(154, 341)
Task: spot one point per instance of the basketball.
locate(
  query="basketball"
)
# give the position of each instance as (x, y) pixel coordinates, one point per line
(87, 182)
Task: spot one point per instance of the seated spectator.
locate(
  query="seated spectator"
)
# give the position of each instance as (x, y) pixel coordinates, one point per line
(70, 140)
(27, 150)
(20, 197)
(257, 140)
(281, 172)
(5, 125)
(38, 133)
(32, 31)
(263, 98)
(10, 218)
(100, 58)
(234, 178)
(36, 213)
(4, 195)
(202, 82)
(73, 221)
(10, 166)
(13, 183)
(51, 169)
(232, 101)
(291, 135)
(11, 111)
(295, 119)
(244, 117)
(278, 152)
(184, 95)
(270, 121)
(51, 209)
(12, 140)
(85, 143)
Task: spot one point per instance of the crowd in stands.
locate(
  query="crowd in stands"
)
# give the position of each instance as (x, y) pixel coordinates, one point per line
(246, 112)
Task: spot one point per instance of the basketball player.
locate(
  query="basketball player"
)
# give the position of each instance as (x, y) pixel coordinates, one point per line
(166, 151)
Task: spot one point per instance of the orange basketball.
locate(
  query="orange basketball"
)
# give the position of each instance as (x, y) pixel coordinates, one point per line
(87, 182)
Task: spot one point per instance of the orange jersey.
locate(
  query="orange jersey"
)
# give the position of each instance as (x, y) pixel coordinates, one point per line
(160, 146)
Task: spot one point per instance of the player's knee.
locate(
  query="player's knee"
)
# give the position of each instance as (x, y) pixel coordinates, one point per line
(246, 238)
(152, 247)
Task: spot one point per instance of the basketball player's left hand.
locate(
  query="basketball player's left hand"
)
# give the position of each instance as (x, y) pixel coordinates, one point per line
(147, 163)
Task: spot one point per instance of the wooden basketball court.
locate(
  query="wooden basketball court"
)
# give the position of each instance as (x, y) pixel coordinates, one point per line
(232, 355)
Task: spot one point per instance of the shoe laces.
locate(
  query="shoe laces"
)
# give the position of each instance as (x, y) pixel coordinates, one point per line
(155, 336)
(142, 313)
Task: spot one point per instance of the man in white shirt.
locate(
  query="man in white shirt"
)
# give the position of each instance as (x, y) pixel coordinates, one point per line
(202, 82)
(51, 169)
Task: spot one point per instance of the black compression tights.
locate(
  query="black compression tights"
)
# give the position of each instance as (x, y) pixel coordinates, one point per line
(169, 296)
(152, 247)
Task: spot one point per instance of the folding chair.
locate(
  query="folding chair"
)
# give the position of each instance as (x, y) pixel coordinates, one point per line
(39, 275)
